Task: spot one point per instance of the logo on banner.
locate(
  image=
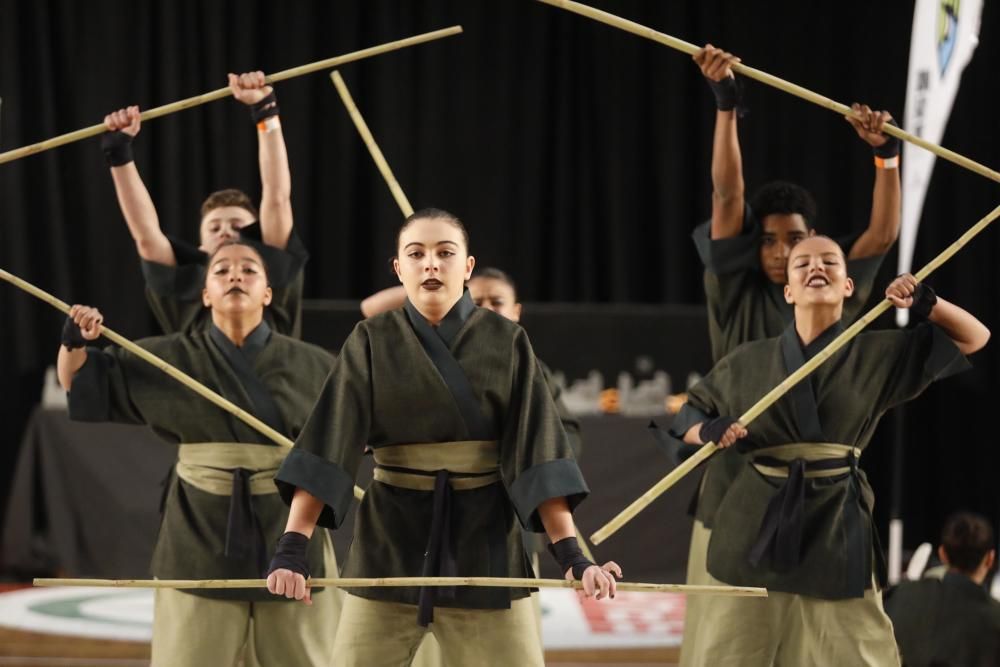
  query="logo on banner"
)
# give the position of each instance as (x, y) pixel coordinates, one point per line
(947, 32)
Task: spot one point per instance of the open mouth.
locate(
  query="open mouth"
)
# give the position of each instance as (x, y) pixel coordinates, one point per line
(818, 281)
(432, 284)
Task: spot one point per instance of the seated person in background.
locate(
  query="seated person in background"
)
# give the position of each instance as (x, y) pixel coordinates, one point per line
(951, 620)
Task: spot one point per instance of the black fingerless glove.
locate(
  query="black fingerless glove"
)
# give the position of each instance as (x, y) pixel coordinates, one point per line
(727, 93)
(924, 300)
(714, 429)
(117, 147)
(72, 336)
(264, 109)
(569, 556)
(890, 148)
(291, 554)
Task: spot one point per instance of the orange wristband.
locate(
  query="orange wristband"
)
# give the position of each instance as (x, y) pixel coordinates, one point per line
(887, 162)
(269, 124)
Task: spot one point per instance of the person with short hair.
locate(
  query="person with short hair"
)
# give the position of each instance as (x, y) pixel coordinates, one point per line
(220, 515)
(951, 620)
(468, 450)
(174, 268)
(796, 518)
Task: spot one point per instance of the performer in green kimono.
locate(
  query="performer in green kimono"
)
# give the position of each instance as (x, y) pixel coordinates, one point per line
(744, 249)
(797, 517)
(468, 449)
(951, 620)
(221, 512)
(175, 269)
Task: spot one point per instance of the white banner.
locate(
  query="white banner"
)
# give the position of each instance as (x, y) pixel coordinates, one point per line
(945, 35)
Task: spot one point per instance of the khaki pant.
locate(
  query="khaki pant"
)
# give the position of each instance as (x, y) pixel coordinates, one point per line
(193, 631)
(429, 653)
(372, 633)
(785, 630)
(697, 574)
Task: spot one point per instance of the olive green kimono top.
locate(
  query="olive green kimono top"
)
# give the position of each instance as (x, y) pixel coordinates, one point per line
(822, 543)
(398, 381)
(744, 305)
(207, 535)
(174, 292)
(947, 622)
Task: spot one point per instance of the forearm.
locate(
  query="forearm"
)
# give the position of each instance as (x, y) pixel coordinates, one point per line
(967, 332)
(557, 519)
(883, 225)
(727, 177)
(276, 188)
(304, 513)
(387, 299)
(140, 215)
(692, 435)
(68, 363)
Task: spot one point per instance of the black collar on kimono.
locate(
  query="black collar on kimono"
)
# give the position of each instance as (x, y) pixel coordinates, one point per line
(803, 395)
(437, 342)
(242, 360)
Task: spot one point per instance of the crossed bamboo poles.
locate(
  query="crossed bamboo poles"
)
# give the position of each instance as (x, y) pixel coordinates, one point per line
(629, 26)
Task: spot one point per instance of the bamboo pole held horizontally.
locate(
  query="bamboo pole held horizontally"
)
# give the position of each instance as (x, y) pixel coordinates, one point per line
(772, 396)
(197, 100)
(489, 582)
(376, 152)
(173, 372)
(770, 80)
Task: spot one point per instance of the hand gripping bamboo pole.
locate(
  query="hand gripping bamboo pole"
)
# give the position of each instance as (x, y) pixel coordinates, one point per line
(488, 582)
(398, 194)
(336, 61)
(173, 372)
(376, 153)
(772, 396)
(764, 77)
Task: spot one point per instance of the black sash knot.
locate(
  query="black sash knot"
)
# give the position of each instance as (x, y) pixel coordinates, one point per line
(244, 533)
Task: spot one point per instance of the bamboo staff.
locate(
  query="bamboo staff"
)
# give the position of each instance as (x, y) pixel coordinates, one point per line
(190, 102)
(173, 372)
(376, 153)
(770, 80)
(772, 396)
(488, 582)
(397, 194)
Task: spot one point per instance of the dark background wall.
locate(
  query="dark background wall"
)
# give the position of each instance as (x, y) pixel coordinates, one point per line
(577, 154)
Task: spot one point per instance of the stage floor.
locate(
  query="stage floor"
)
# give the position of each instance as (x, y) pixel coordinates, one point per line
(99, 626)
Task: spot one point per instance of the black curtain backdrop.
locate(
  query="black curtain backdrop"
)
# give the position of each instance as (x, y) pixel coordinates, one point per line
(577, 154)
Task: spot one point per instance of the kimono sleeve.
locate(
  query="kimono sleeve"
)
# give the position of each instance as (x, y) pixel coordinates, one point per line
(731, 264)
(705, 400)
(536, 459)
(327, 453)
(174, 292)
(102, 388)
(915, 358)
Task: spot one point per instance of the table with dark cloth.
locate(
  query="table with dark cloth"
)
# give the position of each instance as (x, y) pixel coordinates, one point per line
(85, 499)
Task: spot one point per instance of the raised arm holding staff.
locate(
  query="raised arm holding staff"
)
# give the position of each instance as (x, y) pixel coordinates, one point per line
(770, 80)
(329, 63)
(175, 269)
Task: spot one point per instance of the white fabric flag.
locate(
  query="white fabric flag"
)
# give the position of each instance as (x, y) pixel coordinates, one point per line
(945, 35)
